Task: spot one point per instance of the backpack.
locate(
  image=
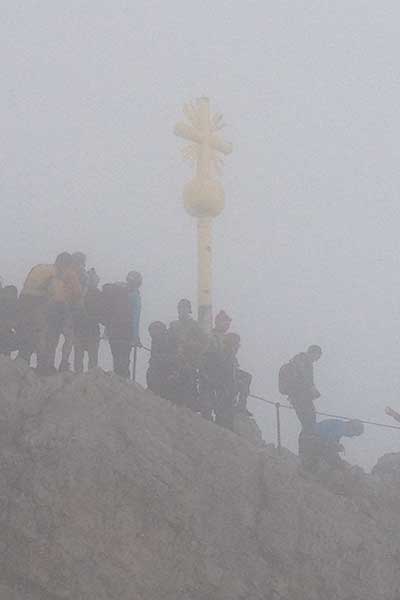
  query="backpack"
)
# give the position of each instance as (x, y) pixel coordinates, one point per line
(38, 280)
(117, 311)
(287, 379)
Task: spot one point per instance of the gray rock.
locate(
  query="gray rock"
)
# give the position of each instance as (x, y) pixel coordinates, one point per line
(108, 492)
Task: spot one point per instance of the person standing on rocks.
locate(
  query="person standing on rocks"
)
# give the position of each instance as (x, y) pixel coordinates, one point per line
(123, 310)
(79, 267)
(86, 324)
(188, 342)
(162, 364)
(296, 380)
(227, 386)
(44, 285)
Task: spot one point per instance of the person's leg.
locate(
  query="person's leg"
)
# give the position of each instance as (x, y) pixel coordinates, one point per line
(66, 350)
(305, 411)
(206, 399)
(224, 412)
(79, 353)
(93, 352)
(244, 382)
(121, 350)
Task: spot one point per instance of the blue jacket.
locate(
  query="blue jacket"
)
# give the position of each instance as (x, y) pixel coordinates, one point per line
(331, 430)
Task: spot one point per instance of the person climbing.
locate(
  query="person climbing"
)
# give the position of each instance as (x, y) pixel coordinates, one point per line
(123, 310)
(78, 267)
(323, 444)
(86, 323)
(8, 319)
(392, 413)
(296, 380)
(187, 342)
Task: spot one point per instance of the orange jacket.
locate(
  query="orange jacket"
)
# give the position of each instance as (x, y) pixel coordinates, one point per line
(66, 287)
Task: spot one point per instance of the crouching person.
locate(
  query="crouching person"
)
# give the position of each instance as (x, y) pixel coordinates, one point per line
(86, 324)
(323, 445)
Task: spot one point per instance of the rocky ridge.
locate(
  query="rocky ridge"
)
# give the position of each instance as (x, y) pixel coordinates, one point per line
(110, 493)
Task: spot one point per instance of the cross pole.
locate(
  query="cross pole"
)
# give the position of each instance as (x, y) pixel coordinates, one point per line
(204, 195)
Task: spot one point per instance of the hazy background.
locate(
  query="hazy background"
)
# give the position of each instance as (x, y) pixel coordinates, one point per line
(307, 250)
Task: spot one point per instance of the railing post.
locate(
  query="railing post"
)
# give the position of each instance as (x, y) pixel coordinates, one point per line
(135, 349)
(278, 427)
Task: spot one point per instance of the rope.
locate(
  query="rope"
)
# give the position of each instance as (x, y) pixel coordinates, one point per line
(323, 414)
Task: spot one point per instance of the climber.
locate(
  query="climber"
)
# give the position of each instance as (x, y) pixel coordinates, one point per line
(162, 364)
(8, 318)
(122, 320)
(65, 296)
(86, 323)
(78, 266)
(323, 444)
(222, 324)
(392, 413)
(32, 323)
(187, 343)
(227, 386)
(207, 392)
(296, 380)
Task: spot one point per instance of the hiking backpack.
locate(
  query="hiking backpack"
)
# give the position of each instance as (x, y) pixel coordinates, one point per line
(287, 379)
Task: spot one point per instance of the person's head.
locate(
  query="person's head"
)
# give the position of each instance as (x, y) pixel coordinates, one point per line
(10, 292)
(231, 343)
(184, 309)
(63, 261)
(92, 280)
(79, 260)
(354, 428)
(134, 280)
(314, 352)
(157, 328)
(222, 322)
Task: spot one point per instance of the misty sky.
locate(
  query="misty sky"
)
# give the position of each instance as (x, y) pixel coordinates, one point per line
(307, 250)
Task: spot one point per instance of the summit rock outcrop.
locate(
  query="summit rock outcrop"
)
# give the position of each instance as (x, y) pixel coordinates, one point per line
(110, 493)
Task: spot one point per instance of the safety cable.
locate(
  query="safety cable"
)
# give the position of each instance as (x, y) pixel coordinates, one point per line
(323, 414)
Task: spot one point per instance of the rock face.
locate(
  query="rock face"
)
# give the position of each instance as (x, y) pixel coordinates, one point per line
(109, 493)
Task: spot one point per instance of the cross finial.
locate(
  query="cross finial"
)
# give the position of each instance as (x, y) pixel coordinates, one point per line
(202, 131)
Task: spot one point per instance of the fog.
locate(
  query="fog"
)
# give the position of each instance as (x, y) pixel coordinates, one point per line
(307, 248)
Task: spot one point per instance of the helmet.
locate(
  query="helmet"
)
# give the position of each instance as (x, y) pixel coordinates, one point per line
(134, 278)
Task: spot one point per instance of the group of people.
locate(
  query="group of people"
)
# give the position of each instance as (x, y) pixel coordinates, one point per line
(63, 302)
(197, 370)
(189, 367)
(319, 442)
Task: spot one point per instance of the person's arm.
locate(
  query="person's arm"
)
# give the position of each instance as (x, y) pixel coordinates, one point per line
(392, 413)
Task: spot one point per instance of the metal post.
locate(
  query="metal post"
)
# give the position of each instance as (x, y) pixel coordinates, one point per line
(135, 349)
(278, 427)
